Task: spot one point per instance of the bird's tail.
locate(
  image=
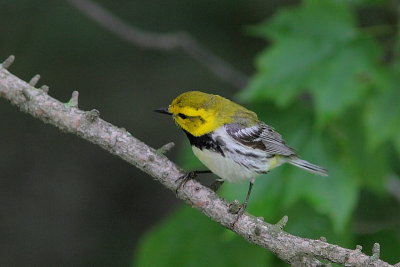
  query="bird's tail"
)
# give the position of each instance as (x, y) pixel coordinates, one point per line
(308, 166)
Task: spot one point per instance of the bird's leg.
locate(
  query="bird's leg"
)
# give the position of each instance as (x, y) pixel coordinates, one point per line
(190, 175)
(216, 185)
(241, 208)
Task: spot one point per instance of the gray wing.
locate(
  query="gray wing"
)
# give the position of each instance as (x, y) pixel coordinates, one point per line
(260, 136)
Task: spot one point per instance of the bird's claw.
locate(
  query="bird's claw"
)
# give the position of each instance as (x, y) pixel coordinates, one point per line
(183, 180)
(238, 209)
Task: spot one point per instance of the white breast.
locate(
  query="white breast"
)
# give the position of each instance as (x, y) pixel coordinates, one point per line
(224, 167)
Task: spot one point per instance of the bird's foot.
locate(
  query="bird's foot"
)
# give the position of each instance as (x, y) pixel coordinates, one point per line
(188, 176)
(184, 179)
(238, 209)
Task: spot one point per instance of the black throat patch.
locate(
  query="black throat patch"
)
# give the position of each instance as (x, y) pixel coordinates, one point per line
(206, 142)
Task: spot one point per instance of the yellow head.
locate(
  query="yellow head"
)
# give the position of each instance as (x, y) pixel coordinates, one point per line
(200, 113)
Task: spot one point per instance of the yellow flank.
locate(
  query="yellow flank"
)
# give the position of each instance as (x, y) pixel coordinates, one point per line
(200, 113)
(274, 162)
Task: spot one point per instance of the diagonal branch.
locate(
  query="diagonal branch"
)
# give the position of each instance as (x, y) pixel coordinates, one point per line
(88, 125)
(161, 41)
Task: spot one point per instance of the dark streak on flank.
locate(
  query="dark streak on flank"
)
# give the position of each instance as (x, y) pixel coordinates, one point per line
(247, 154)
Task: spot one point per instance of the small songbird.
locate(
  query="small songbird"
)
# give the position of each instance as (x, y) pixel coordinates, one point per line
(230, 140)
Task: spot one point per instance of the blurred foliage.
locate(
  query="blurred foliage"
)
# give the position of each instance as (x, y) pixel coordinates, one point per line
(331, 87)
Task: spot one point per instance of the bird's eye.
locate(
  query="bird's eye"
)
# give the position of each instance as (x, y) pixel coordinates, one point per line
(183, 116)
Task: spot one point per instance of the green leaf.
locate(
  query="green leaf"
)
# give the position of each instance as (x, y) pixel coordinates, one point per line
(285, 69)
(335, 195)
(305, 222)
(314, 19)
(382, 115)
(188, 238)
(318, 49)
(343, 79)
(371, 166)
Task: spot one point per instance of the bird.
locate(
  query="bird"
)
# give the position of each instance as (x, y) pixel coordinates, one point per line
(231, 141)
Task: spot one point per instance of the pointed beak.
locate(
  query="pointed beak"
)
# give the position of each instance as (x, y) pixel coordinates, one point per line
(163, 111)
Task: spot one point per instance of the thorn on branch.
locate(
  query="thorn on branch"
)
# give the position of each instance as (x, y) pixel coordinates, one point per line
(359, 248)
(282, 222)
(26, 94)
(92, 115)
(8, 62)
(45, 88)
(73, 102)
(323, 239)
(34, 80)
(376, 251)
(165, 148)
